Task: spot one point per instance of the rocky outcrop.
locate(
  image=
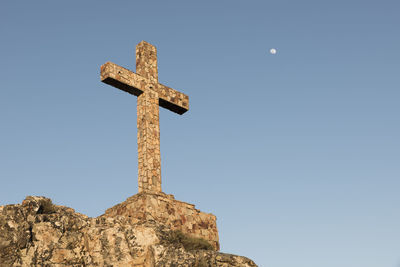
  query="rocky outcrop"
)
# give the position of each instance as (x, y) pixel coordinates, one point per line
(39, 233)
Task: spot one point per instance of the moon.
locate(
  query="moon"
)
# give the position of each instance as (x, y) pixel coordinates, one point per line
(272, 51)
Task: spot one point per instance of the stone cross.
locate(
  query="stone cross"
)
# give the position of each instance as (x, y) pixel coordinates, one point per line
(151, 94)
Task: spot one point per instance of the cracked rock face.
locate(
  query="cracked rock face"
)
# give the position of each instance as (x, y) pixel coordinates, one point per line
(38, 233)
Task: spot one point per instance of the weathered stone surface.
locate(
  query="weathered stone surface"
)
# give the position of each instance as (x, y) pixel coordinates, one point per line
(174, 214)
(151, 94)
(38, 233)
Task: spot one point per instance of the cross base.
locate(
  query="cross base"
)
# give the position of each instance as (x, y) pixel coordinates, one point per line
(168, 211)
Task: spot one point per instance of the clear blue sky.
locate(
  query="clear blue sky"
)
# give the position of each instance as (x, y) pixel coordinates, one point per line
(297, 154)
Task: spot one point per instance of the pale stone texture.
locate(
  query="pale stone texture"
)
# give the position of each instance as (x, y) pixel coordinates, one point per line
(155, 205)
(37, 233)
(172, 213)
(151, 94)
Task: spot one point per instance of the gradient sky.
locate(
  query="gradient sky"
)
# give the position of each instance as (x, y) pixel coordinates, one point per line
(297, 154)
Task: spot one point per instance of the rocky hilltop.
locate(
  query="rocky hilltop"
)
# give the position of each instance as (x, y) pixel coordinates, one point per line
(39, 233)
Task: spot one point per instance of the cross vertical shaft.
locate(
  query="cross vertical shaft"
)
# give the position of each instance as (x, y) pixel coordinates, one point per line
(148, 122)
(148, 137)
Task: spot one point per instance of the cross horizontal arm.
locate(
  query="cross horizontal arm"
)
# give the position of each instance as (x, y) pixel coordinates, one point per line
(122, 78)
(171, 99)
(135, 84)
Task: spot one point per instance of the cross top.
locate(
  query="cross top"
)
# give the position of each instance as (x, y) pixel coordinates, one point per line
(146, 61)
(151, 94)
